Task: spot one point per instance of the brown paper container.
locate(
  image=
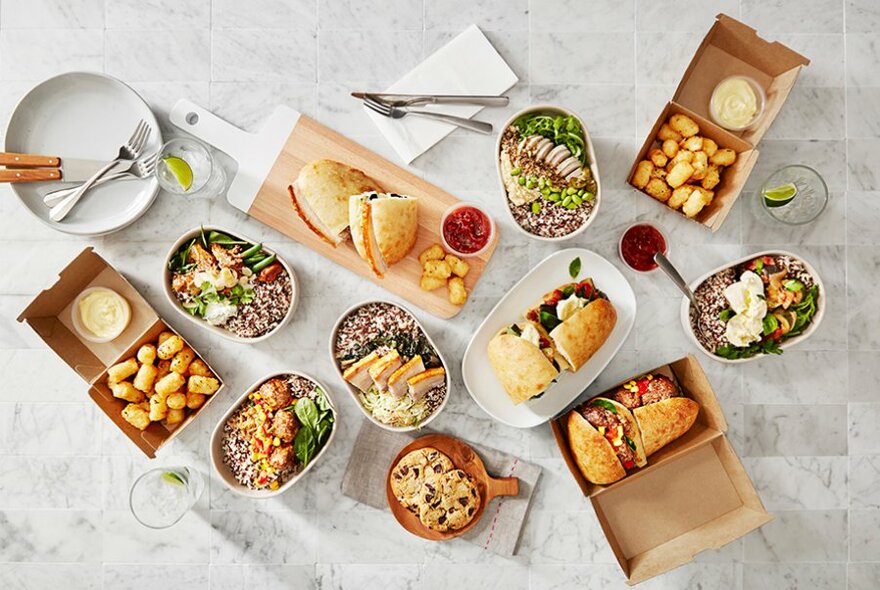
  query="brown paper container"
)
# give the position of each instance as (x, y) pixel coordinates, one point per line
(49, 314)
(730, 48)
(693, 495)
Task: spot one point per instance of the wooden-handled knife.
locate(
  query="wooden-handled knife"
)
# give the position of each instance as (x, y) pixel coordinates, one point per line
(33, 168)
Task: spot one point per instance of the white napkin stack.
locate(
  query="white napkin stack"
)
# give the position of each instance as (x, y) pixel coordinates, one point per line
(466, 65)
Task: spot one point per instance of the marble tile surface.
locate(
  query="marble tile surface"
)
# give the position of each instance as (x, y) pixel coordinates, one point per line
(806, 425)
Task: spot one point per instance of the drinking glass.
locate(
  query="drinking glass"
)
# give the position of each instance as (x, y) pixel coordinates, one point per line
(205, 176)
(160, 497)
(809, 201)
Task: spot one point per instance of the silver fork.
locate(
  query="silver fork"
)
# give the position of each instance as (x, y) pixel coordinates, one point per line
(398, 112)
(128, 153)
(135, 172)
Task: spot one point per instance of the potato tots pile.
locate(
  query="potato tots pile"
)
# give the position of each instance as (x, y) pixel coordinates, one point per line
(683, 171)
(166, 380)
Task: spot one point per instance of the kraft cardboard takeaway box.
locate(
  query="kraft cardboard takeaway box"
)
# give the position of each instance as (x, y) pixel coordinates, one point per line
(729, 48)
(49, 314)
(693, 494)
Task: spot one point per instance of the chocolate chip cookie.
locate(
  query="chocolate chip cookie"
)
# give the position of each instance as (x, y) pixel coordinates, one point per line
(413, 470)
(449, 501)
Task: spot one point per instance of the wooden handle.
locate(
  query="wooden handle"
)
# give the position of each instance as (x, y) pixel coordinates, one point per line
(30, 174)
(28, 160)
(503, 486)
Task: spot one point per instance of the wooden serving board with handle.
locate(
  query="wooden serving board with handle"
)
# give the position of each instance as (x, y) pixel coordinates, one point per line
(270, 160)
(463, 457)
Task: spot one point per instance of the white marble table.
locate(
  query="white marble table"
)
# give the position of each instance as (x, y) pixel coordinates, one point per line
(807, 425)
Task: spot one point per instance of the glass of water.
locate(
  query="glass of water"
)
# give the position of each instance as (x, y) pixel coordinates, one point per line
(162, 496)
(794, 195)
(186, 167)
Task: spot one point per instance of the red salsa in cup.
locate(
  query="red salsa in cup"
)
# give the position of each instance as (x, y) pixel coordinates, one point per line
(639, 244)
(467, 230)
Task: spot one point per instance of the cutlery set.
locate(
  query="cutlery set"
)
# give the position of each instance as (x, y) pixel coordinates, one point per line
(397, 106)
(130, 163)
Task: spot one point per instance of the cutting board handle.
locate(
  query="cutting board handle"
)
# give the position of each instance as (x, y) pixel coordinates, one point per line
(502, 486)
(210, 128)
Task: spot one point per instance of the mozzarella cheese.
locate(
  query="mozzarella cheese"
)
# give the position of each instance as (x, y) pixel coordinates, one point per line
(568, 307)
(530, 334)
(746, 298)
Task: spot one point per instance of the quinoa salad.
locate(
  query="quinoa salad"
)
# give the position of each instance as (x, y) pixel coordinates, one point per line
(231, 284)
(385, 355)
(754, 307)
(550, 188)
(276, 432)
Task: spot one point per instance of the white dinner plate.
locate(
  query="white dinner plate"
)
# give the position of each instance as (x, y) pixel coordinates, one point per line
(83, 115)
(551, 272)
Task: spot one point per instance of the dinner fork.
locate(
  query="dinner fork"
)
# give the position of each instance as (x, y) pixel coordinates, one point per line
(142, 168)
(128, 153)
(398, 112)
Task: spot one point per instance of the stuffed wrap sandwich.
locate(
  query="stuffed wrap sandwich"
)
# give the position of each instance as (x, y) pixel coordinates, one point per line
(383, 228)
(654, 414)
(524, 360)
(578, 317)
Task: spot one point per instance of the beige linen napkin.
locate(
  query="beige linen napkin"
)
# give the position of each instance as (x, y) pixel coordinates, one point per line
(499, 528)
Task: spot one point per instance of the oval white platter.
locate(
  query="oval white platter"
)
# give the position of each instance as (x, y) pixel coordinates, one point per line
(551, 272)
(817, 319)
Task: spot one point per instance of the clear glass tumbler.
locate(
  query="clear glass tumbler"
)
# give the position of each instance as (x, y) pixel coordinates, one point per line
(186, 167)
(809, 200)
(160, 497)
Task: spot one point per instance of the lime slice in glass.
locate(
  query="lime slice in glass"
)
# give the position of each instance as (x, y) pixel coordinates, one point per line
(172, 478)
(180, 170)
(780, 195)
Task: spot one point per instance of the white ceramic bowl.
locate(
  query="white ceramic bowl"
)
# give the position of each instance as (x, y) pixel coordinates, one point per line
(591, 156)
(217, 441)
(169, 293)
(356, 393)
(817, 319)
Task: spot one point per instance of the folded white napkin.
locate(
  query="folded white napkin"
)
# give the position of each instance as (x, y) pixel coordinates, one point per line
(466, 65)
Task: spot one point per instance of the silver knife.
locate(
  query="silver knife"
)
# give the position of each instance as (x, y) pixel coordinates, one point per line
(400, 100)
(30, 168)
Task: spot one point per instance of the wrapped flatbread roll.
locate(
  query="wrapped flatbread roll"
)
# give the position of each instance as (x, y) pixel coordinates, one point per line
(320, 197)
(605, 440)
(383, 228)
(579, 319)
(523, 360)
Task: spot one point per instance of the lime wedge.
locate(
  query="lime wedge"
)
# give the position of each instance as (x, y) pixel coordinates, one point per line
(780, 195)
(181, 171)
(172, 478)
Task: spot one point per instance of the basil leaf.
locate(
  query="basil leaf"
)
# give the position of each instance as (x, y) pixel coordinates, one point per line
(725, 315)
(549, 321)
(759, 265)
(629, 442)
(514, 330)
(770, 324)
(304, 445)
(567, 291)
(574, 268)
(604, 403)
(307, 412)
(793, 285)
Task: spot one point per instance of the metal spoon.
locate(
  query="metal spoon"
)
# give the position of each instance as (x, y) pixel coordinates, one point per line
(682, 285)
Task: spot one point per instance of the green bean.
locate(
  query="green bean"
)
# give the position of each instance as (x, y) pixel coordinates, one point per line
(536, 207)
(542, 183)
(571, 190)
(554, 197)
(255, 249)
(545, 191)
(580, 192)
(588, 196)
(566, 201)
(576, 200)
(263, 263)
(516, 171)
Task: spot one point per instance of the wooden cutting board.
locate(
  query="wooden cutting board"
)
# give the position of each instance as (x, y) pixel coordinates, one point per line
(270, 160)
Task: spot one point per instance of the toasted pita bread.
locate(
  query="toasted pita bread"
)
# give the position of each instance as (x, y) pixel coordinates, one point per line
(592, 453)
(521, 367)
(579, 337)
(383, 228)
(662, 422)
(320, 196)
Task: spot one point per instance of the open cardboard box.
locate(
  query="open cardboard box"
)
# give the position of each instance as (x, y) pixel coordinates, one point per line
(693, 495)
(49, 314)
(730, 48)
